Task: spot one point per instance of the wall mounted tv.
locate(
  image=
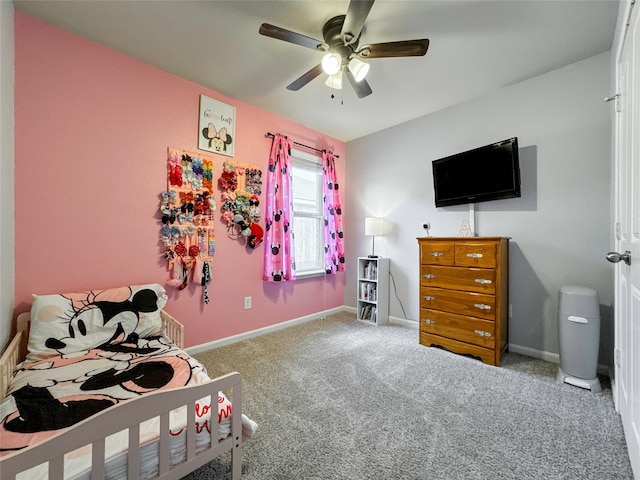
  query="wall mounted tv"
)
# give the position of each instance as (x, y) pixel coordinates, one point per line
(486, 173)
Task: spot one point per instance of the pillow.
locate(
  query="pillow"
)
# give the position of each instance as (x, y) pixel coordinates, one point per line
(76, 322)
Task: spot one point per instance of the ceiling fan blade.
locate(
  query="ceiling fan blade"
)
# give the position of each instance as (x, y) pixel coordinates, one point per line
(272, 31)
(407, 48)
(354, 20)
(304, 79)
(362, 88)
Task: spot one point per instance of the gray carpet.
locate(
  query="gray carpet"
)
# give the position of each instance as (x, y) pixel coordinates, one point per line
(339, 399)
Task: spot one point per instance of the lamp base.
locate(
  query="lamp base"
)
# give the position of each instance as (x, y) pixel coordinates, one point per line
(373, 256)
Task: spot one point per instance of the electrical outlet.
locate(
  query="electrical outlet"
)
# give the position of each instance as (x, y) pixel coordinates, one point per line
(247, 303)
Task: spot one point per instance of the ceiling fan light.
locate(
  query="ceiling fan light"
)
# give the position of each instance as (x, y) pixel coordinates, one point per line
(331, 63)
(358, 68)
(335, 80)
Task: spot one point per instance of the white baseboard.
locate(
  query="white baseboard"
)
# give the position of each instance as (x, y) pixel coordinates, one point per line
(397, 320)
(532, 352)
(405, 321)
(260, 331)
(550, 357)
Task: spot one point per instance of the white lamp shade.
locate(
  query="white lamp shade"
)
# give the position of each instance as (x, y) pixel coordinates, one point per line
(334, 81)
(358, 68)
(331, 63)
(374, 226)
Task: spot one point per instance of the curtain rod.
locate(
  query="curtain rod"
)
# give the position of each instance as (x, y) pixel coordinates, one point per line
(271, 135)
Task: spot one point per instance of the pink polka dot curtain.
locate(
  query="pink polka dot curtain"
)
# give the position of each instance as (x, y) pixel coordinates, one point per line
(333, 233)
(279, 255)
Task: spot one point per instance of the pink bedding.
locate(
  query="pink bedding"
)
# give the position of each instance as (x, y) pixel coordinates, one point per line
(55, 393)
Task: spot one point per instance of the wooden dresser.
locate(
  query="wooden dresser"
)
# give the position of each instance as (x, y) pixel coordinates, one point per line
(464, 295)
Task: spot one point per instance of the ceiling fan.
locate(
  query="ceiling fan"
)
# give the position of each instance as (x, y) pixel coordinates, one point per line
(341, 36)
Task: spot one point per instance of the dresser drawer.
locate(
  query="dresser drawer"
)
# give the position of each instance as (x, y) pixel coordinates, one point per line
(470, 254)
(466, 329)
(463, 303)
(480, 280)
(486, 355)
(437, 253)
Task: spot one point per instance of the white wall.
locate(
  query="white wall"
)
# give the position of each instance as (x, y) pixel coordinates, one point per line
(6, 171)
(560, 226)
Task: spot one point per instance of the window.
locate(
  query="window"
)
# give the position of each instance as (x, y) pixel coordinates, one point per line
(308, 220)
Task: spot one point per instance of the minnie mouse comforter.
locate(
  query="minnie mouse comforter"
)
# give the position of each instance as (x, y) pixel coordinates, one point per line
(57, 392)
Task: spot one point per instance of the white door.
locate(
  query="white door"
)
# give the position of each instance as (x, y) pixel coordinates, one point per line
(627, 236)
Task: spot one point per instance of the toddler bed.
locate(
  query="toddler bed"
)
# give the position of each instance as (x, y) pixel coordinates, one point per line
(96, 385)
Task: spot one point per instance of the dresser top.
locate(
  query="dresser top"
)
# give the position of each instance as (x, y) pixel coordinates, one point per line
(468, 239)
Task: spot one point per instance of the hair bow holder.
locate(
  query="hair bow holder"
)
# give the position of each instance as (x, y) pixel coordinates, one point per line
(187, 211)
(241, 186)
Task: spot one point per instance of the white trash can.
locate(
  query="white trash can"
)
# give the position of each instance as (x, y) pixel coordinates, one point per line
(579, 337)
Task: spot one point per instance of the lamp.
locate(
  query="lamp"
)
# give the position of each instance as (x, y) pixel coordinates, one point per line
(335, 80)
(358, 68)
(331, 63)
(373, 226)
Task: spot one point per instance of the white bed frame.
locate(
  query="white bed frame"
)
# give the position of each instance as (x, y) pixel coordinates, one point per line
(129, 415)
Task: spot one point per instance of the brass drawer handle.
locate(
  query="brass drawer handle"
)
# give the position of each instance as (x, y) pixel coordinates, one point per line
(482, 333)
(429, 276)
(429, 298)
(436, 254)
(483, 281)
(482, 306)
(474, 255)
(428, 321)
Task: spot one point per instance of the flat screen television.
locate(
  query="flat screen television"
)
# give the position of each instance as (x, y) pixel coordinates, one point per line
(491, 172)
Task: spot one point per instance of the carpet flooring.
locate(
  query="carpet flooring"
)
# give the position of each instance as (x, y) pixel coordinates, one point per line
(339, 399)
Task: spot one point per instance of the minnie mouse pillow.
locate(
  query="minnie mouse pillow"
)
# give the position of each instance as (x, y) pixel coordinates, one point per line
(73, 323)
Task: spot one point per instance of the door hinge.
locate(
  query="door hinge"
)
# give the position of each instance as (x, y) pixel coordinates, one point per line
(616, 98)
(617, 359)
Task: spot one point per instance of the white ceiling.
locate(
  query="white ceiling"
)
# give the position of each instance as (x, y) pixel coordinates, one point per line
(475, 47)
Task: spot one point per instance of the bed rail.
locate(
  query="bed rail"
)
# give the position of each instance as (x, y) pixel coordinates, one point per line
(10, 358)
(173, 329)
(15, 353)
(128, 416)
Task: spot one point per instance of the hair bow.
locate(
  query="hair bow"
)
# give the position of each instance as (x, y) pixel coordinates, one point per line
(196, 165)
(188, 217)
(212, 133)
(168, 197)
(173, 159)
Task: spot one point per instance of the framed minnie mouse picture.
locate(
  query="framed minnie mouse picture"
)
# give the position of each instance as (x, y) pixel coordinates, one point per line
(216, 126)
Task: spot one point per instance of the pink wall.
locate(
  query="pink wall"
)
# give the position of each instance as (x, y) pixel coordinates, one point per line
(92, 127)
